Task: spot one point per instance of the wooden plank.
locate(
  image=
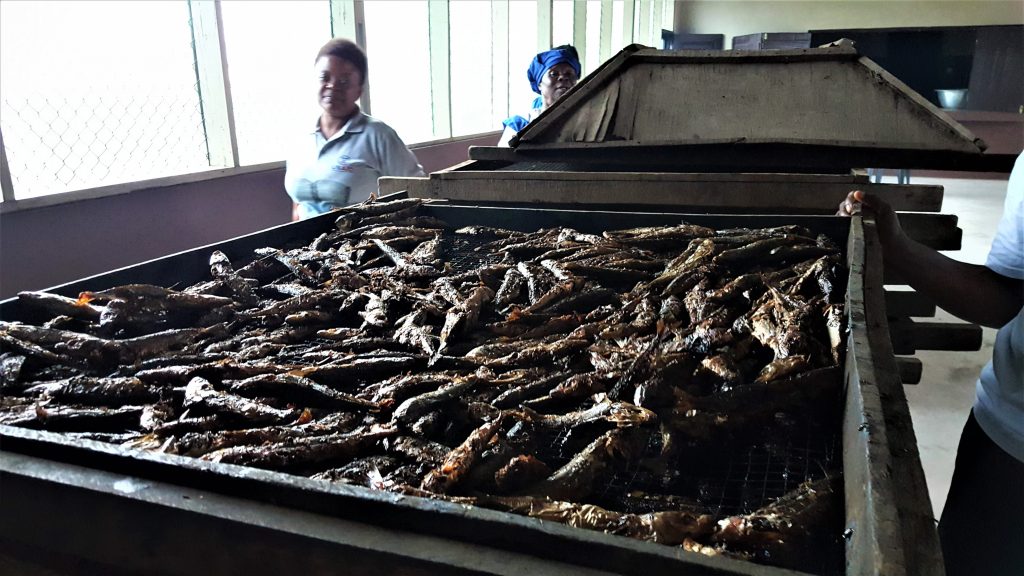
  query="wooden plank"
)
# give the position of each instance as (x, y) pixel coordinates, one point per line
(871, 515)
(898, 531)
(212, 73)
(461, 165)
(645, 21)
(836, 53)
(923, 107)
(415, 186)
(499, 57)
(909, 336)
(628, 14)
(907, 303)
(762, 192)
(493, 153)
(579, 33)
(762, 177)
(6, 184)
(746, 156)
(544, 25)
(729, 99)
(910, 369)
(440, 68)
(956, 336)
(605, 50)
(938, 231)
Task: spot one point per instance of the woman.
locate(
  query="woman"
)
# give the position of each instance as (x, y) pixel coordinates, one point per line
(338, 163)
(551, 75)
(980, 529)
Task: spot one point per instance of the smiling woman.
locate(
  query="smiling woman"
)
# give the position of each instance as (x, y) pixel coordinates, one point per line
(338, 163)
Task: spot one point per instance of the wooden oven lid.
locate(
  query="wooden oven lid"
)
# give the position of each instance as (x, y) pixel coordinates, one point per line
(678, 102)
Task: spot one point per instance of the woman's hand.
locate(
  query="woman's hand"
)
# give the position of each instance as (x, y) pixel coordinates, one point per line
(890, 233)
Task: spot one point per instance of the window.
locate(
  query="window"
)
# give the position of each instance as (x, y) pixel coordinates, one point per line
(472, 69)
(270, 48)
(398, 50)
(618, 18)
(561, 22)
(97, 93)
(522, 47)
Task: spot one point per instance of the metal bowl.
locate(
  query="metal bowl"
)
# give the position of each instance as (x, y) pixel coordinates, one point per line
(952, 99)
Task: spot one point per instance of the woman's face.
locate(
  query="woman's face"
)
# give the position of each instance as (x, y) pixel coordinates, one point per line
(556, 81)
(340, 86)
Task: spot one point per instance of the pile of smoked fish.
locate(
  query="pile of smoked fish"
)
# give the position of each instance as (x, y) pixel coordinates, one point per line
(590, 379)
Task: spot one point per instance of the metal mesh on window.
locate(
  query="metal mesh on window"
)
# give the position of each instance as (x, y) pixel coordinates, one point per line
(58, 143)
(95, 94)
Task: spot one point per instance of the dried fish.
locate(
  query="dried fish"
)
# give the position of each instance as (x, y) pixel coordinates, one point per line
(616, 370)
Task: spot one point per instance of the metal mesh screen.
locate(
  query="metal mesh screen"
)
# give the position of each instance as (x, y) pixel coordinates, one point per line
(95, 94)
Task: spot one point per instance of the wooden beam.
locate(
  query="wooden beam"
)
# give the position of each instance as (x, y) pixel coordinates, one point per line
(343, 19)
(910, 369)
(777, 156)
(349, 21)
(417, 187)
(657, 15)
(440, 68)
(6, 184)
(628, 16)
(499, 58)
(214, 85)
(778, 193)
(644, 36)
(938, 231)
(493, 153)
(908, 303)
(887, 501)
(605, 52)
(579, 32)
(908, 336)
(544, 25)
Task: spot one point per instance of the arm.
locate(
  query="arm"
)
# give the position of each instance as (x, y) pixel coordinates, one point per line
(295, 212)
(397, 159)
(969, 291)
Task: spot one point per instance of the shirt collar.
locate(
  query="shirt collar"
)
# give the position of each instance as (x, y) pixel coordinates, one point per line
(355, 124)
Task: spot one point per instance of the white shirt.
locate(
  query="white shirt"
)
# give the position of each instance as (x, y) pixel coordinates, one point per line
(323, 174)
(999, 406)
(508, 133)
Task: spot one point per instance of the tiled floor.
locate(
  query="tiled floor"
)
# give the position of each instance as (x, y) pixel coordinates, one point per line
(940, 403)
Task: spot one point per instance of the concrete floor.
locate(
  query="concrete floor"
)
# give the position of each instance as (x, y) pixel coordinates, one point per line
(939, 405)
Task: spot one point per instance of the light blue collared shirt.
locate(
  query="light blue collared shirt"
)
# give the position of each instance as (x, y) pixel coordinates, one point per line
(323, 174)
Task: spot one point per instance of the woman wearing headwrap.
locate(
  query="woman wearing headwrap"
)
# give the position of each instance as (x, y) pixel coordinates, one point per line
(551, 75)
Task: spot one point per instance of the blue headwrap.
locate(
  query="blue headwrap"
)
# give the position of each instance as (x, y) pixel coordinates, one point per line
(545, 60)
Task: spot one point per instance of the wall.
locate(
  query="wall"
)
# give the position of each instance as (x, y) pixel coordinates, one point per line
(734, 18)
(47, 246)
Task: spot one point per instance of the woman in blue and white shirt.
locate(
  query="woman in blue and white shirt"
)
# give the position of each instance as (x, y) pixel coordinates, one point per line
(339, 161)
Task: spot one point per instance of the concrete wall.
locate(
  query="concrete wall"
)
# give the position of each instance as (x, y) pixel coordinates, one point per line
(737, 17)
(47, 246)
